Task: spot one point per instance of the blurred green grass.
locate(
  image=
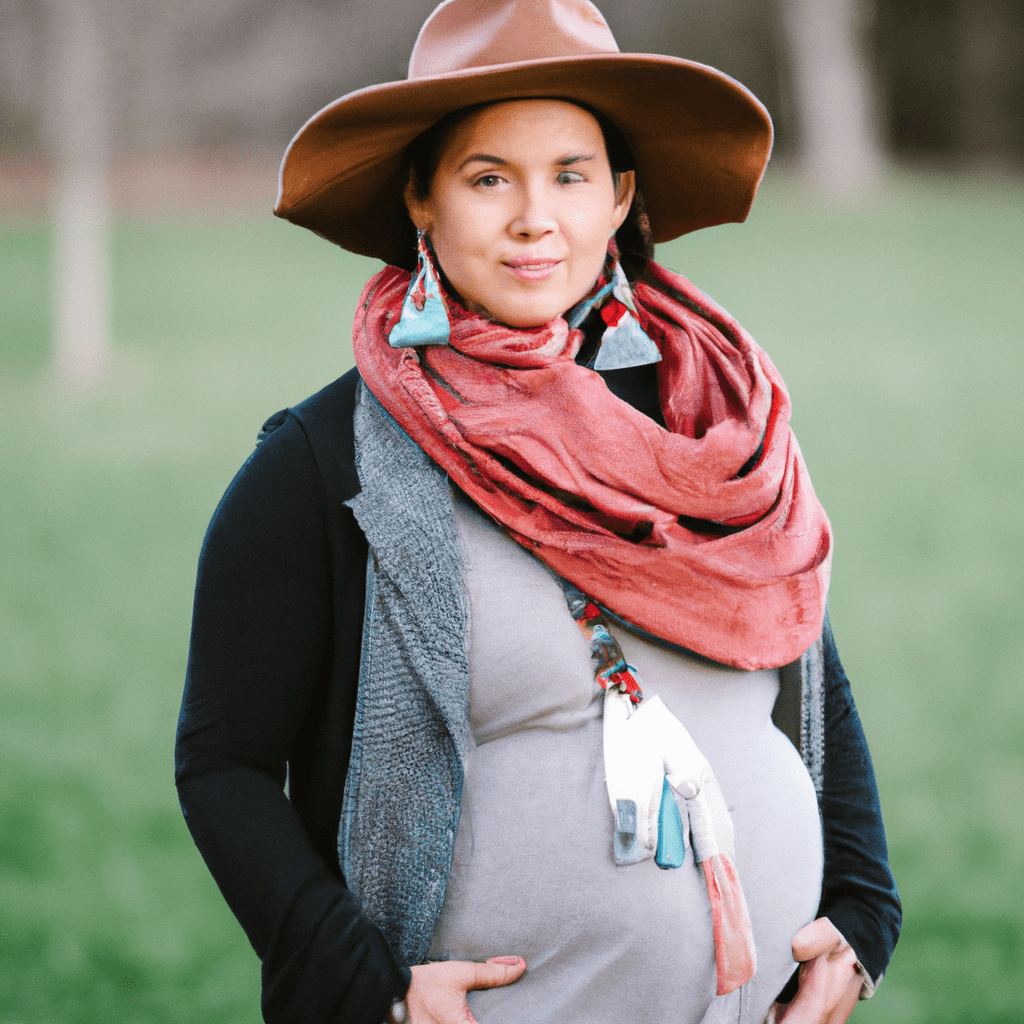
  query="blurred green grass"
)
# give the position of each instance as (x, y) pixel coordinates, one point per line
(897, 326)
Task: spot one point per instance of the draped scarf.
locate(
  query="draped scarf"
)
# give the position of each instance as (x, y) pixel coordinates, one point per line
(706, 534)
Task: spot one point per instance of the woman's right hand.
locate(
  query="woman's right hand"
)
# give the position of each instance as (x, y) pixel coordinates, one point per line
(437, 994)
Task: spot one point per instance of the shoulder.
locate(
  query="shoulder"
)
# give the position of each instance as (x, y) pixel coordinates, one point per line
(330, 410)
(302, 467)
(322, 425)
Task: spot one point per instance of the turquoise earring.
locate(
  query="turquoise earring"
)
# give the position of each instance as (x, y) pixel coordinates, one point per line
(424, 319)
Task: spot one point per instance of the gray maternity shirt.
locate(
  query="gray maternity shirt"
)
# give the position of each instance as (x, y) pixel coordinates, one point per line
(533, 872)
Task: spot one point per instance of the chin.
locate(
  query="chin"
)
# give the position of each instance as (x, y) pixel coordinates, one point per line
(527, 322)
(529, 314)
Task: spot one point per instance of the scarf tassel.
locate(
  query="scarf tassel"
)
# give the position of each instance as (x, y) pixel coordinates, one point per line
(735, 957)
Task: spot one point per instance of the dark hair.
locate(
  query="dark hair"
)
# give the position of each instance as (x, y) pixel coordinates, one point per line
(633, 239)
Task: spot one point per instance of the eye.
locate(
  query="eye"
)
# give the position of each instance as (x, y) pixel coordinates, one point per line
(570, 177)
(487, 180)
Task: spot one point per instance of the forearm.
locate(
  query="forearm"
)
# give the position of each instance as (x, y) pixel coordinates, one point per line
(323, 959)
(859, 893)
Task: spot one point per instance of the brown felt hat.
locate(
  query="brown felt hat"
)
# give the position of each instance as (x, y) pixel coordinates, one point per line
(700, 139)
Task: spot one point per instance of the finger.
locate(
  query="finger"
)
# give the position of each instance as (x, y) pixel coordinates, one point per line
(820, 936)
(846, 1002)
(810, 1005)
(500, 970)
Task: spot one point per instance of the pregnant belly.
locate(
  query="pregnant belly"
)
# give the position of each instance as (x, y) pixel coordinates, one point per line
(533, 875)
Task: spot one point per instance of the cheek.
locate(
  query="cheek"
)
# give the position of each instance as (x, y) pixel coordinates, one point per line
(591, 227)
(458, 233)
(580, 221)
(461, 251)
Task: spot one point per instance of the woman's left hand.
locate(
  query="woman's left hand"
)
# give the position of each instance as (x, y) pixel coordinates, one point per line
(829, 982)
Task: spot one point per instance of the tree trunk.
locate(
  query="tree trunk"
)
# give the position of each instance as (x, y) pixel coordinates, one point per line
(839, 149)
(78, 131)
(990, 50)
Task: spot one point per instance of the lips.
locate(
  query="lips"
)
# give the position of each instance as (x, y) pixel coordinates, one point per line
(531, 268)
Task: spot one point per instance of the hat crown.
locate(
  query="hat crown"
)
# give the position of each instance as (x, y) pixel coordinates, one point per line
(464, 34)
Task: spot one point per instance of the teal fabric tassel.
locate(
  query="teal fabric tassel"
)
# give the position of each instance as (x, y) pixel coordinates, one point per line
(424, 319)
(671, 850)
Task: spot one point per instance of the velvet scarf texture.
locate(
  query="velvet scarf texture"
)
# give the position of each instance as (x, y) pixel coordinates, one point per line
(707, 534)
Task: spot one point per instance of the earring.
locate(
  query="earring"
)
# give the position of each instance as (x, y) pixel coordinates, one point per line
(624, 343)
(424, 319)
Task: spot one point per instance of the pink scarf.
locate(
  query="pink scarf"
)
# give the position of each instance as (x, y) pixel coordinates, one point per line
(653, 524)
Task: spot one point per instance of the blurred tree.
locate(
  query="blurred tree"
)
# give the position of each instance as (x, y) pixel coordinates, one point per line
(953, 73)
(839, 147)
(989, 57)
(22, 26)
(77, 128)
(916, 49)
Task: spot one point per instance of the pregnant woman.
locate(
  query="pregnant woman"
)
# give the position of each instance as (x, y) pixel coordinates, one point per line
(512, 694)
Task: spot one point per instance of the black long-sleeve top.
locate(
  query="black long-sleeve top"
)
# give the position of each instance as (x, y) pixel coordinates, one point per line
(270, 696)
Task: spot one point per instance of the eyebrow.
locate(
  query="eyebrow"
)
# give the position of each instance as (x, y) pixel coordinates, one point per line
(487, 158)
(482, 158)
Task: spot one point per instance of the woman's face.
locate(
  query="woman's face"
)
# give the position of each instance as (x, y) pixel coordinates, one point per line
(521, 207)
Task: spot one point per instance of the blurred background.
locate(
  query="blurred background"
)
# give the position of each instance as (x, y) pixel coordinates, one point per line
(153, 314)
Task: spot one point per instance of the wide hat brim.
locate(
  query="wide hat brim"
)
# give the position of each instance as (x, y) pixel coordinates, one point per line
(700, 140)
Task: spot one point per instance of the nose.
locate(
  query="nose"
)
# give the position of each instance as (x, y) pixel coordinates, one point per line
(535, 215)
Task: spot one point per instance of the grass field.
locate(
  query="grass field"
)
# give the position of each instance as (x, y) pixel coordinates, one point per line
(898, 329)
